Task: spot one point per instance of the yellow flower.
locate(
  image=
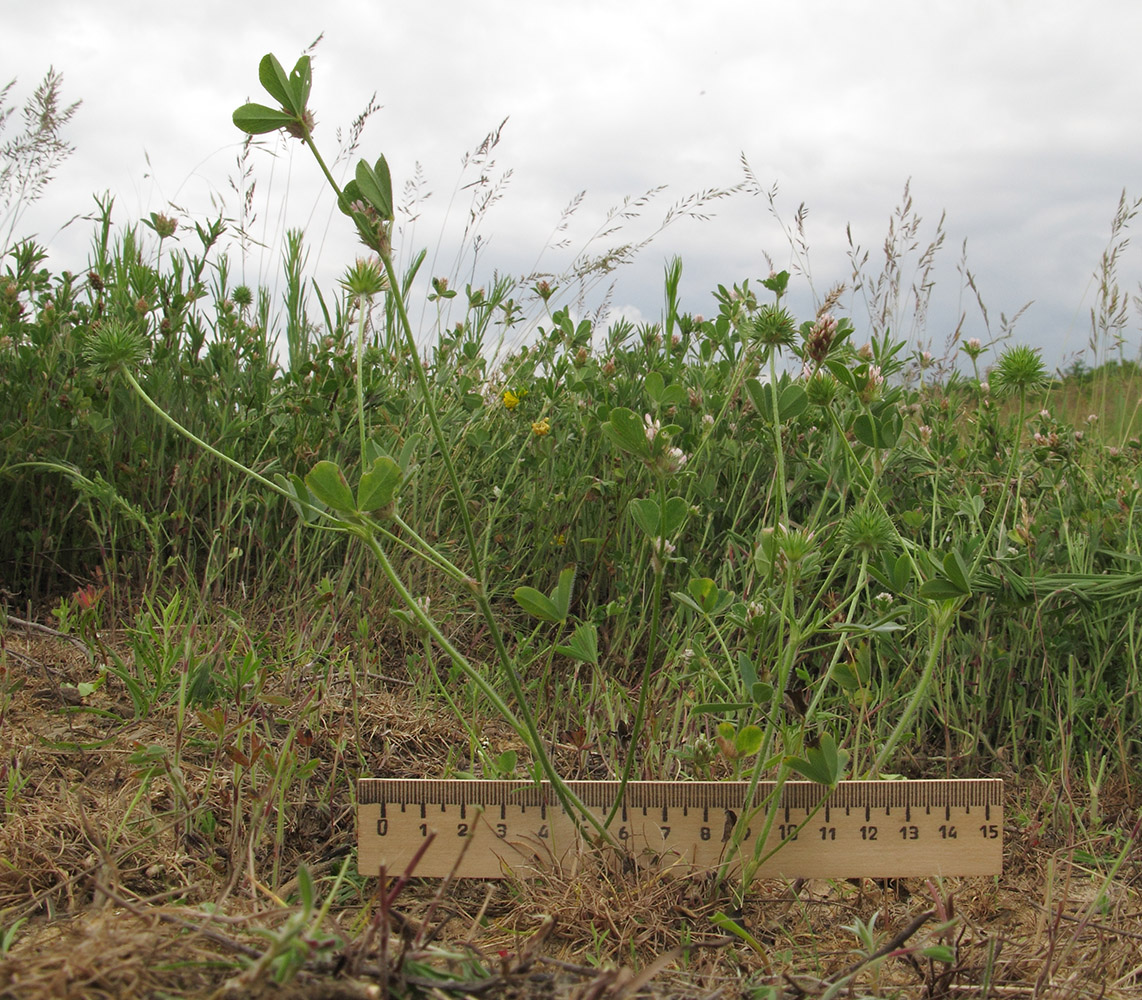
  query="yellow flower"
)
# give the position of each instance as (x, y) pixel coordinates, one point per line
(510, 399)
(541, 428)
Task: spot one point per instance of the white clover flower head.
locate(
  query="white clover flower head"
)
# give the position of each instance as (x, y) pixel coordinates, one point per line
(926, 359)
(663, 547)
(660, 551)
(675, 459)
(1092, 418)
(865, 352)
(1045, 414)
(652, 428)
(974, 344)
(984, 387)
(925, 433)
(1078, 435)
(708, 420)
(884, 597)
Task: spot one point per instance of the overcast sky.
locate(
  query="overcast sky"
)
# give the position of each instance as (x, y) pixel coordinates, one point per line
(1018, 118)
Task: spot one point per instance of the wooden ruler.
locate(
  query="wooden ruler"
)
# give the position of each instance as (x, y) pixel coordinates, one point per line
(878, 829)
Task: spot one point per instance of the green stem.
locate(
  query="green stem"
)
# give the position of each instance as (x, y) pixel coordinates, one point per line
(360, 375)
(945, 615)
(476, 582)
(658, 561)
(643, 697)
(780, 450)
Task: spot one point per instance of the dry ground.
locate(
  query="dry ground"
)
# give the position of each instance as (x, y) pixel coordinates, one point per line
(107, 891)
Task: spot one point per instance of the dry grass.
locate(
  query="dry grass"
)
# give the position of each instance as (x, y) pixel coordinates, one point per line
(123, 895)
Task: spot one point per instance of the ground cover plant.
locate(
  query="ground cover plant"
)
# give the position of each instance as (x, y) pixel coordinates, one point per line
(740, 544)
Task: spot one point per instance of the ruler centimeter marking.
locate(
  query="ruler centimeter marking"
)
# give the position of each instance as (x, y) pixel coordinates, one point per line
(876, 829)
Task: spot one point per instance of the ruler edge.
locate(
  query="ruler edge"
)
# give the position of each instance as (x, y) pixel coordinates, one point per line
(542, 793)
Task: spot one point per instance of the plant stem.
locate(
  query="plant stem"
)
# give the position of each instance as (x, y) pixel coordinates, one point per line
(945, 615)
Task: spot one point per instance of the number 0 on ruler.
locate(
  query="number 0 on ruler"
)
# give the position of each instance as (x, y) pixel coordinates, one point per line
(876, 829)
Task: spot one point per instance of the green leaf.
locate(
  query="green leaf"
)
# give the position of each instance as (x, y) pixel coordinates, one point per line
(956, 570)
(748, 741)
(677, 511)
(747, 670)
(761, 396)
(777, 283)
(761, 692)
(349, 194)
(842, 374)
(686, 601)
(940, 589)
(408, 451)
(300, 81)
(710, 598)
(506, 762)
(626, 430)
(654, 385)
(305, 889)
(376, 187)
(856, 629)
(300, 497)
(866, 431)
(583, 645)
(537, 604)
(378, 486)
(727, 924)
(327, 482)
(646, 514)
(846, 676)
(793, 401)
(938, 953)
(825, 764)
(901, 573)
(257, 119)
(273, 77)
(704, 591)
(561, 595)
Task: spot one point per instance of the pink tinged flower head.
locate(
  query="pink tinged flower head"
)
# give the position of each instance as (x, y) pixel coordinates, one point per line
(652, 428)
